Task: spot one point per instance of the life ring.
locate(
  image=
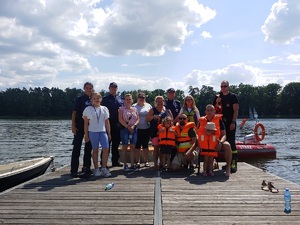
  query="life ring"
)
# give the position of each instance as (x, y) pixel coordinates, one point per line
(263, 133)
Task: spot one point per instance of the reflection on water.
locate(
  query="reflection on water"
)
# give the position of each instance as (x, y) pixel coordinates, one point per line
(25, 139)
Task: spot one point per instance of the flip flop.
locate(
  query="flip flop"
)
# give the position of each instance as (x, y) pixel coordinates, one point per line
(264, 186)
(272, 188)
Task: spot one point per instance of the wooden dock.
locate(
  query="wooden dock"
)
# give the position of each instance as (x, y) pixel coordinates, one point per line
(150, 197)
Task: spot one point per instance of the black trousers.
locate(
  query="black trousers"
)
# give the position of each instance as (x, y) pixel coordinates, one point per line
(77, 143)
(230, 137)
(114, 145)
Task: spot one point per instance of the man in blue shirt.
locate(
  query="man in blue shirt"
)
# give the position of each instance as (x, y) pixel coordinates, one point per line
(171, 103)
(113, 102)
(81, 103)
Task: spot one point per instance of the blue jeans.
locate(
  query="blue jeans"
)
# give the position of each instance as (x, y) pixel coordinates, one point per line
(125, 136)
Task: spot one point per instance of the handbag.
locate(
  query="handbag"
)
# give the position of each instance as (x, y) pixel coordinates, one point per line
(119, 126)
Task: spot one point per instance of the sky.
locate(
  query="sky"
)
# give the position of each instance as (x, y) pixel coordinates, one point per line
(143, 44)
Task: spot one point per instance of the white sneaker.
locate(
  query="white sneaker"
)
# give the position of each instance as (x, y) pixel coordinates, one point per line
(97, 173)
(105, 172)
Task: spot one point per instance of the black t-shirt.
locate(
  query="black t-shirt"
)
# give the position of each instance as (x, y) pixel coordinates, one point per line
(113, 103)
(81, 103)
(227, 105)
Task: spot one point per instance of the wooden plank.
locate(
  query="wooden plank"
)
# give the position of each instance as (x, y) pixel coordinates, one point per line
(185, 199)
(218, 200)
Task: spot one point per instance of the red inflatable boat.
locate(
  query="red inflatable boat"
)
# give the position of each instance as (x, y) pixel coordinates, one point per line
(252, 148)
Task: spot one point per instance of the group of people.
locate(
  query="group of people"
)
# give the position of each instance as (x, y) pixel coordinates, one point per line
(176, 131)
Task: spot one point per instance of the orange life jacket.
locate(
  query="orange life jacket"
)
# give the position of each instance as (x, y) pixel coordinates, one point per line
(208, 143)
(166, 137)
(183, 139)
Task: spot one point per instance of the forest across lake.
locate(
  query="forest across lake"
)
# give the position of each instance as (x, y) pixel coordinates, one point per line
(270, 101)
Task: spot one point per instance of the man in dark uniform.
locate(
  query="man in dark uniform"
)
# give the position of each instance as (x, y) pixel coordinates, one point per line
(78, 130)
(171, 103)
(229, 108)
(113, 102)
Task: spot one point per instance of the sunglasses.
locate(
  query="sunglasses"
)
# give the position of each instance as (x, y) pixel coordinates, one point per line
(224, 86)
(141, 97)
(182, 118)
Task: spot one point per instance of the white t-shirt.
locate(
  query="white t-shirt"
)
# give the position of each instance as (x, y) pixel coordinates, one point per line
(97, 117)
(143, 111)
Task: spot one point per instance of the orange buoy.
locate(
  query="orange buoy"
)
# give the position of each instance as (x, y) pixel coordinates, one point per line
(263, 133)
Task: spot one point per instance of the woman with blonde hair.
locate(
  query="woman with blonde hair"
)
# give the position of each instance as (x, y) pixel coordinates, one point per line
(190, 109)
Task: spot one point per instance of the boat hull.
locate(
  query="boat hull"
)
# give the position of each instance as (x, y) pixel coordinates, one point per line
(247, 152)
(17, 176)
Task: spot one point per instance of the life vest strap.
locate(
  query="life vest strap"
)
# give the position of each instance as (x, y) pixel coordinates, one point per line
(167, 139)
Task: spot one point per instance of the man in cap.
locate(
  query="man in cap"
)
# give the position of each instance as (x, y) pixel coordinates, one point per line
(113, 101)
(171, 103)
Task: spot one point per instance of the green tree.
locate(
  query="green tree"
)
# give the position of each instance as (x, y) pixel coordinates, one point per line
(289, 100)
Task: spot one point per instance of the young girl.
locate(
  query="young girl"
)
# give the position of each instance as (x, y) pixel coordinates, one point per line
(97, 129)
(129, 118)
(167, 141)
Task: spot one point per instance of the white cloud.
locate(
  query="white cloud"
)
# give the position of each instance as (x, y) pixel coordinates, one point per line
(272, 59)
(50, 37)
(282, 25)
(206, 35)
(294, 57)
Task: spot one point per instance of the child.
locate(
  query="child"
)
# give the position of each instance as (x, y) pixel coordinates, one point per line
(167, 141)
(97, 129)
(209, 152)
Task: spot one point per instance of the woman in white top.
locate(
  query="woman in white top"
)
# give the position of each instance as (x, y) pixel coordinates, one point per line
(129, 118)
(143, 128)
(97, 129)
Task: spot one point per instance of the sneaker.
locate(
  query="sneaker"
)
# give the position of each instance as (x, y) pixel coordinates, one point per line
(85, 175)
(133, 168)
(74, 174)
(118, 164)
(126, 168)
(138, 165)
(97, 173)
(105, 172)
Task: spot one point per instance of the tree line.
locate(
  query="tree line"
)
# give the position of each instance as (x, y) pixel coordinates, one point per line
(271, 100)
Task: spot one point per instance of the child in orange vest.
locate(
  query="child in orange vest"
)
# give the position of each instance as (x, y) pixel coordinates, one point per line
(167, 141)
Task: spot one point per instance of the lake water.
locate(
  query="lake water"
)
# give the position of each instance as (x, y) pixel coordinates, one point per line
(25, 139)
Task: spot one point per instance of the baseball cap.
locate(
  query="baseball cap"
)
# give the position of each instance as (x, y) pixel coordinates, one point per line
(113, 84)
(170, 90)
